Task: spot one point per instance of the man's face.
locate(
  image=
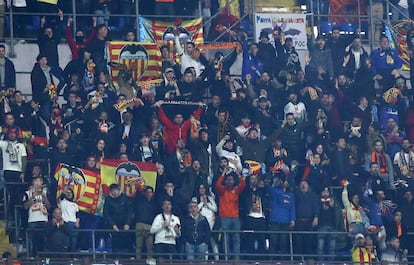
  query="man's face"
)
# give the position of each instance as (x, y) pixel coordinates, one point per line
(397, 217)
(190, 48)
(165, 53)
(72, 98)
(341, 143)
(360, 242)
(145, 140)
(316, 159)
(169, 75)
(384, 43)
(293, 97)
(253, 49)
(229, 181)
(325, 193)
(320, 42)
(405, 144)
(380, 195)
(178, 119)
(374, 169)
(395, 243)
(127, 117)
(378, 147)
(91, 162)
(264, 40)
(2, 52)
(391, 123)
(342, 80)
(57, 214)
(253, 134)
(356, 122)
(193, 208)
(196, 165)
(363, 102)
(61, 145)
(216, 101)
(304, 186)
(204, 136)
(188, 78)
(49, 32)
(18, 97)
(245, 121)
(166, 206)
(221, 117)
(115, 192)
(253, 180)
(130, 36)
(37, 182)
(290, 120)
(43, 61)
(335, 34)
(357, 43)
(229, 145)
(224, 163)
(103, 32)
(149, 194)
(9, 120)
(355, 199)
(265, 77)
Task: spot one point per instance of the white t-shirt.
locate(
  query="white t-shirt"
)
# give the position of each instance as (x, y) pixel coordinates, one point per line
(13, 164)
(69, 210)
(164, 235)
(35, 211)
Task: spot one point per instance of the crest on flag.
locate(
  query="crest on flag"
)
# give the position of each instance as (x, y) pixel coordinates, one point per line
(74, 178)
(128, 175)
(142, 60)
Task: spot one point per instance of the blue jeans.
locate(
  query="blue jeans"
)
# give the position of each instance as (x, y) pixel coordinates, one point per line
(326, 241)
(231, 224)
(199, 250)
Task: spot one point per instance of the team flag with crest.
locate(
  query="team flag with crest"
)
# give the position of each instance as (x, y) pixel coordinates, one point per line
(143, 59)
(162, 33)
(397, 34)
(86, 186)
(129, 175)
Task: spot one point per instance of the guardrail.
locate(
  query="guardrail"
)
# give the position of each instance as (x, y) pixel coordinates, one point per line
(292, 256)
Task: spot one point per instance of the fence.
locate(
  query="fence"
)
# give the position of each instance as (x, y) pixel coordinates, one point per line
(291, 256)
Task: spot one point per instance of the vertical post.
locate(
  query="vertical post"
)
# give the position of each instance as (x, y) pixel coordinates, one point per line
(74, 17)
(226, 251)
(27, 244)
(311, 18)
(5, 201)
(291, 245)
(318, 11)
(137, 19)
(359, 17)
(12, 53)
(388, 11)
(93, 244)
(16, 228)
(200, 12)
(371, 29)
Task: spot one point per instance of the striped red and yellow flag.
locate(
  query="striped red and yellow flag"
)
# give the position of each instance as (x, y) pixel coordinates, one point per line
(189, 30)
(143, 59)
(129, 175)
(86, 186)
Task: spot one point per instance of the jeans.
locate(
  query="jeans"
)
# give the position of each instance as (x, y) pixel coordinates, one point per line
(231, 224)
(37, 238)
(73, 238)
(195, 251)
(279, 243)
(326, 241)
(142, 233)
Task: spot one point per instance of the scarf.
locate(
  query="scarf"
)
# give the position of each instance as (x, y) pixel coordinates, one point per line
(381, 160)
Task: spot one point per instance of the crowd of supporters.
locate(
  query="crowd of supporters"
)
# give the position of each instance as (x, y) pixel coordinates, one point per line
(260, 152)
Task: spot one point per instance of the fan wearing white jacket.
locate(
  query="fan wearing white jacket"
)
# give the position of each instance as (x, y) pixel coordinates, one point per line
(226, 148)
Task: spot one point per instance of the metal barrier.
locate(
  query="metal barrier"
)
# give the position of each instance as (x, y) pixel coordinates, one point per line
(291, 256)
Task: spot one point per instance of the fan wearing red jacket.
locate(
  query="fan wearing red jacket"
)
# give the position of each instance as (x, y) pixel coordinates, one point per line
(229, 194)
(178, 128)
(78, 43)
